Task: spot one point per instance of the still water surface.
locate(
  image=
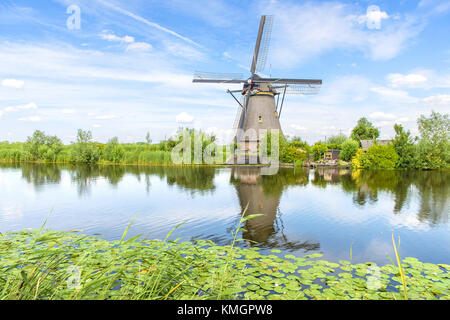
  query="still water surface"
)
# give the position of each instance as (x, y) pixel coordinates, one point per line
(331, 211)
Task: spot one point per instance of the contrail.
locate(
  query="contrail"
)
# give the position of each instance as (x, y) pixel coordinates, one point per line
(149, 23)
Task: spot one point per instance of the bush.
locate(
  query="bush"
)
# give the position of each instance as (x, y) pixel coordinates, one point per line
(113, 151)
(349, 149)
(378, 157)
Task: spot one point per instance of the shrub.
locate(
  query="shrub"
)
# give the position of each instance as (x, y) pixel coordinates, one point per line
(348, 149)
(379, 157)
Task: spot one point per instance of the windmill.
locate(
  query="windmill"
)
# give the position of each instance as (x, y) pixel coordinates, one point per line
(260, 109)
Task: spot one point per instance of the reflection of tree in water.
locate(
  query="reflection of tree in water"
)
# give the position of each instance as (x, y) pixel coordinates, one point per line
(432, 187)
(434, 190)
(193, 179)
(38, 174)
(261, 194)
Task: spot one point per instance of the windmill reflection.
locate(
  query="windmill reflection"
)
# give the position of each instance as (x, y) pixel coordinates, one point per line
(259, 194)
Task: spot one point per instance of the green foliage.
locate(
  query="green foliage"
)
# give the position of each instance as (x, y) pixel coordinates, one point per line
(85, 151)
(405, 148)
(294, 151)
(337, 140)
(113, 151)
(379, 157)
(42, 147)
(41, 267)
(434, 147)
(148, 139)
(318, 150)
(364, 130)
(348, 149)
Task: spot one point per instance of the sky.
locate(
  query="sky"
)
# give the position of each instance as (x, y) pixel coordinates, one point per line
(125, 68)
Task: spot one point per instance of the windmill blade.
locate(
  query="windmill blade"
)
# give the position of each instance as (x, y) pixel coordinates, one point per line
(288, 81)
(264, 44)
(304, 89)
(215, 77)
(257, 45)
(217, 81)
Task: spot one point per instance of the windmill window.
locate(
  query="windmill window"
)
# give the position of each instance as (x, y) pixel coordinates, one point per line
(260, 119)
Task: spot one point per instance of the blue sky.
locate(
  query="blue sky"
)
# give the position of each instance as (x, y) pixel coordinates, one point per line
(129, 67)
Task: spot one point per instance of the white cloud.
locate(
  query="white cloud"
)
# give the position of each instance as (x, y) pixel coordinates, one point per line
(68, 111)
(31, 119)
(145, 21)
(13, 83)
(373, 17)
(304, 31)
(113, 37)
(28, 106)
(411, 80)
(297, 127)
(107, 117)
(139, 46)
(394, 96)
(96, 126)
(382, 116)
(184, 118)
(437, 100)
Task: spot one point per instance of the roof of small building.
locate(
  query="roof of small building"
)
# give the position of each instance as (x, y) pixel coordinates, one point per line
(368, 143)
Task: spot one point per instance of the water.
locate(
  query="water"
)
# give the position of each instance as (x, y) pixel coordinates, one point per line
(304, 211)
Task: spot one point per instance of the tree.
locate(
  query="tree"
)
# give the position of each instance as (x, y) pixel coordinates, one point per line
(337, 139)
(434, 147)
(43, 147)
(85, 151)
(113, 151)
(348, 149)
(148, 139)
(378, 157)
(364, 130)
(405, 148)
(318, 150)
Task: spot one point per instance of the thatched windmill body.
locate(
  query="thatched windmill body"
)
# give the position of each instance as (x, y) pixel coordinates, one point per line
(260, 107)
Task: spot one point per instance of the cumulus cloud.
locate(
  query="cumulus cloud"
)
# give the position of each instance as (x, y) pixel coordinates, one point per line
(68, 111)
(139, 46)
(439, 100)
(31, 119)
(393, 95)
(307, 30)
(113, 38)
(27, 106)
(382, 116)
(106, 117)
(13, 83)
(184, 118)
(298, 128)
(411, 80)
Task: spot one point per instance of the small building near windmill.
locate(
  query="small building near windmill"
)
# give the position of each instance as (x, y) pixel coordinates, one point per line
(366, 144)
(332, 154)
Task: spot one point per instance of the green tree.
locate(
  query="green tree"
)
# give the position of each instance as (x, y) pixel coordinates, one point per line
(84, 150)
(113, 151)
(364, 130)
(337, 139)
(42, 147)
(378, 157)
(405, 148)
(318, 150)
(148, 139)
(434, 147)
(348, 149)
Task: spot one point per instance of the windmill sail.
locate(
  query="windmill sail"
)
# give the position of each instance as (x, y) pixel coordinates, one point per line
(264, 45)
(215, 77)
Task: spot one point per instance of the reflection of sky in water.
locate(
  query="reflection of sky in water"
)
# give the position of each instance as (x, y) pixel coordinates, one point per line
(316, 212)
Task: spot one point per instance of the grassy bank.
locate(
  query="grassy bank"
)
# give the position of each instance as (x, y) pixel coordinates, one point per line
(67, 265)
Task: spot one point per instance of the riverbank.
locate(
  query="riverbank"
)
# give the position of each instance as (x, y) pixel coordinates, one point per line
(37, 264)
